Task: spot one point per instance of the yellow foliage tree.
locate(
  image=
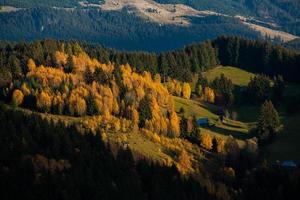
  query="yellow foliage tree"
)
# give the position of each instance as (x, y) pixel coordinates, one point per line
(25, 89)
(135, 117)
(157, 78)
(77, 105)
(178, 89)
(31, 65)
(58, 104)
(174, 124)
(117, 125)
(17, 97)
(184, 161)
(61, 58)
(44, 101)
(186, 91)
(219, 142)
(206, 141)
(171, 86)
(209, 95)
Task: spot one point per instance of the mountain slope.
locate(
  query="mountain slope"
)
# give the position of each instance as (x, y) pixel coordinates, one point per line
(285, 14)
(144, 24)
(116, 29)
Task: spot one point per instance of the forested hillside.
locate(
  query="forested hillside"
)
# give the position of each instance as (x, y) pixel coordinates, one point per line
(100, 123)
(294, 45)
(251, 55)
(39, 157)
(284, 13)
(116, 29)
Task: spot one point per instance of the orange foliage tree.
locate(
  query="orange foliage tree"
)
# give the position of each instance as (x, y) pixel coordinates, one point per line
(186, 91)
(31, 64)
(44, 101)
(174, 130)
(184, 161)
(17, 97)
(209, 95)
(77, 105)
(206, 141)
(61, 58)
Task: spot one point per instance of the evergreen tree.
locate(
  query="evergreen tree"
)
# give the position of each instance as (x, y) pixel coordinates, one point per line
(224, 90)
(269, 123)
(259, 89)
(145, 112)
(278, 88)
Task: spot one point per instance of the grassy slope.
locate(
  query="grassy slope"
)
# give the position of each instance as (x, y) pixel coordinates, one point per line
(286, 146)
(238, 76)
(237, 129)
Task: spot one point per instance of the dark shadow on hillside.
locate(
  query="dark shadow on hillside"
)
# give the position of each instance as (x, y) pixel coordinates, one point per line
(232, 125)
(235, 134)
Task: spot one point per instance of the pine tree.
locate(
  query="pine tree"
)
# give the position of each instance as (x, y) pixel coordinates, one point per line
(145, 112)
(278, 88)
(269, 122)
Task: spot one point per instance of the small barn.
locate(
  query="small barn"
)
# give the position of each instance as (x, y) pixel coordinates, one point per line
(203, 121)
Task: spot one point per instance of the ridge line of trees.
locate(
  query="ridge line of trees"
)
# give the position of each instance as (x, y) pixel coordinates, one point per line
(252, 55)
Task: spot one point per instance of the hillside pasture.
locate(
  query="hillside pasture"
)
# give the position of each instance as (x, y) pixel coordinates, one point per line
(238, 76)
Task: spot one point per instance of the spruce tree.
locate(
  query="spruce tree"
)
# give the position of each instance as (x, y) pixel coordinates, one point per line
(269, 123)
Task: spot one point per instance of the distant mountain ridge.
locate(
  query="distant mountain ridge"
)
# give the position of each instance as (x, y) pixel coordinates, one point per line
(284, 13)
(146, 24)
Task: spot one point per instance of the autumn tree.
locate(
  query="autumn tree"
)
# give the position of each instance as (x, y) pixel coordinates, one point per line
(58, 104)
(206, 141)
(269, 123)
(190, 127)
(61, 58)
(17, 97)
(44, 102)
(209, 95)
(218, 145)
(174, 130)
(184, 161)
(178, 89)
(31, 65)
(25, 89)
(77, 105)
(186, 91)
(135, 117)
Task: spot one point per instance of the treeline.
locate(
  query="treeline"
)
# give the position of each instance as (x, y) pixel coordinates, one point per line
(259, 57)
(252, 55)
(42, 158)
